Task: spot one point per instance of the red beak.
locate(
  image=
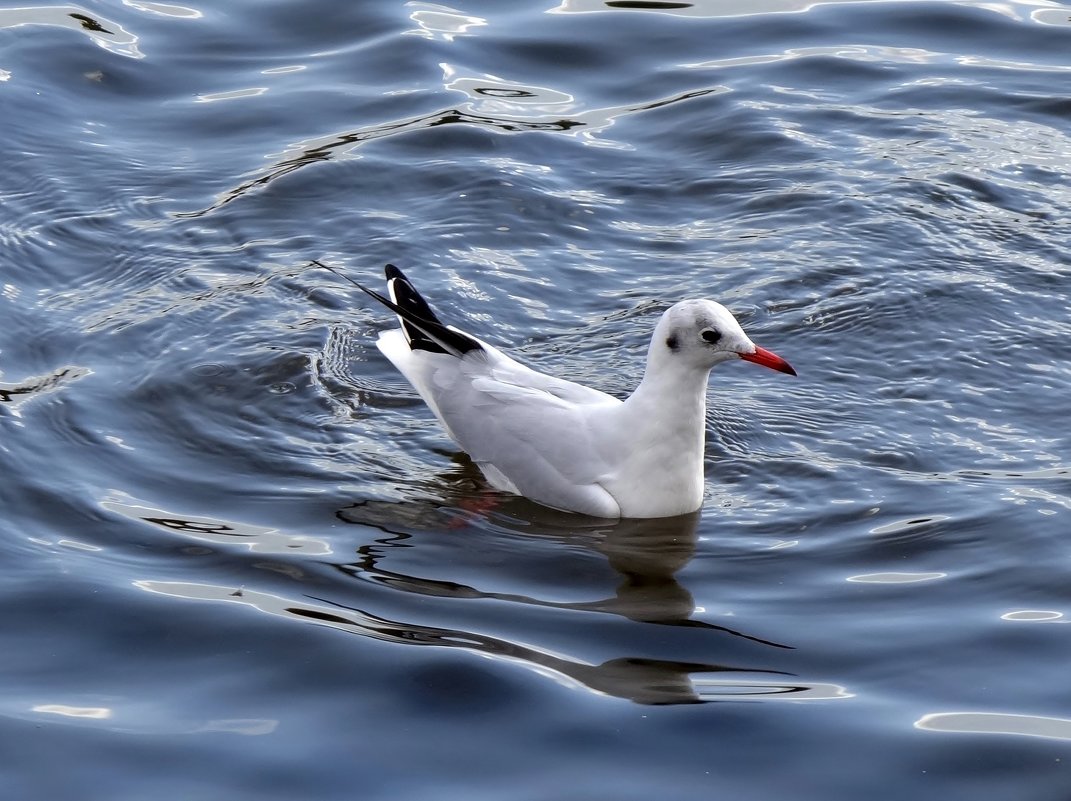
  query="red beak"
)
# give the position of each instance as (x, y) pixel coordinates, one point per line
(768, 359)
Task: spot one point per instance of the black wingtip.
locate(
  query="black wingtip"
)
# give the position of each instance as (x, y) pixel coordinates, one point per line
(422, 327)
(402, 292)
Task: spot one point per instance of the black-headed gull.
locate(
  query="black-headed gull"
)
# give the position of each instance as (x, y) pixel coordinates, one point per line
(562, 444)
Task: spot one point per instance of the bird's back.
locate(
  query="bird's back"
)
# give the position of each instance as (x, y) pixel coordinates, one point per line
(531, 433)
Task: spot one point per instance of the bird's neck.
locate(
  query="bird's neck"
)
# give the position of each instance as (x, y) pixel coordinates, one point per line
(670, 405)
(664, 422)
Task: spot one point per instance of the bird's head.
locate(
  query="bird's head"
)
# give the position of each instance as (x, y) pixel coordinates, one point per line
(702, 333)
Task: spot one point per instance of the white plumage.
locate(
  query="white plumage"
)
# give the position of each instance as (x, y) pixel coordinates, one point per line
(562, 444)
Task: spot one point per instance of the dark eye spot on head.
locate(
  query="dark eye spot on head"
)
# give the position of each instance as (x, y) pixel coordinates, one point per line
(672, 342)
(711, 335)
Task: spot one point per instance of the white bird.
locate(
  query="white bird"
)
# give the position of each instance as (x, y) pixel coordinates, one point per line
(562, 444)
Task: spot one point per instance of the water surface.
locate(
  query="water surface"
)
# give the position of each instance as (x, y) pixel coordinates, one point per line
(240, 559)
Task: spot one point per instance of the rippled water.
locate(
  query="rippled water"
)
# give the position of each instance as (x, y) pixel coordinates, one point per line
(228, 524)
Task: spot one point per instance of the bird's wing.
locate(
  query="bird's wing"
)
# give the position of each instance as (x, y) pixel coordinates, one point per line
(528, 428)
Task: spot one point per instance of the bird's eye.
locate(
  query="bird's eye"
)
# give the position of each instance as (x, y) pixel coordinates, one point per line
(711, 335)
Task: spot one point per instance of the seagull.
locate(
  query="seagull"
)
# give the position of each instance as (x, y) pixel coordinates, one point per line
(562, 444)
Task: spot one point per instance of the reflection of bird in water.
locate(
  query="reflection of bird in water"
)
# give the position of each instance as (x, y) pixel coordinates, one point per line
(645, 681)
(646, 554)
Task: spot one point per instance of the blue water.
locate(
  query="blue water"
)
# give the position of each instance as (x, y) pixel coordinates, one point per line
(239, 559)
